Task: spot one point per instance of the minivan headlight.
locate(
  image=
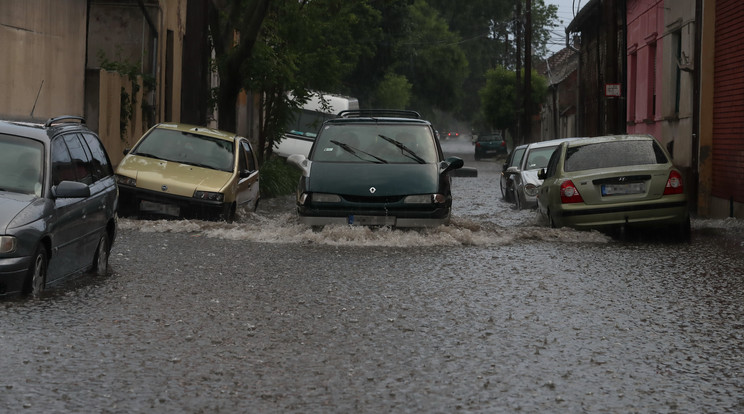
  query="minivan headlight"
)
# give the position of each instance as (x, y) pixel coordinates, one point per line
(7, 244)
(425, 199)
(325, 198)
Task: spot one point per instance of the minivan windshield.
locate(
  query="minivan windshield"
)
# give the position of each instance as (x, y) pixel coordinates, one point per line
(21, 166)
(375, 143)
(613, 154)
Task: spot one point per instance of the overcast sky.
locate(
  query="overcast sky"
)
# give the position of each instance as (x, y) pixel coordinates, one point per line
(566, 13)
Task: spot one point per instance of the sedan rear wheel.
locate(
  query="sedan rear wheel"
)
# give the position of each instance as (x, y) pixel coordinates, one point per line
(37, 273)
(100, 260)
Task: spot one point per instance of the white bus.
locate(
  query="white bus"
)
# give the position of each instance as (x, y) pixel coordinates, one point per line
(306, 124)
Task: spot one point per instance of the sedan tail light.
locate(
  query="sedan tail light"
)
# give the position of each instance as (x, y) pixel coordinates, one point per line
(569, 193)
(674, 184)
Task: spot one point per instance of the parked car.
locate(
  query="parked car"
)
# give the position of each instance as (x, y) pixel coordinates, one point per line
(526, 182)
(489, 145)
(511, 167)
(181, 170)
(58, 202)
(375, 168)
(614, 181)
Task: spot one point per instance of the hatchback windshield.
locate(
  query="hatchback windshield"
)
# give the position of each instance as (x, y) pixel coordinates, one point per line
(613, 154)
(376, 143)
(21, 168)
(186, 148)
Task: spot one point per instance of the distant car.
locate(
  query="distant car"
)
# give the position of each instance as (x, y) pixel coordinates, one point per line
(58, 202)
(511, 167)
(375, 168)
(181, 170)
(452, 134)
(526, 183)
(614, 181)
(489, 145)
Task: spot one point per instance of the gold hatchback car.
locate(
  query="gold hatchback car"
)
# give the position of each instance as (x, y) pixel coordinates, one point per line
(181, 170)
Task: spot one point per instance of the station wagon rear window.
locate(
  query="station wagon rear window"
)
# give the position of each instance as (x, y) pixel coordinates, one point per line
(613, 154)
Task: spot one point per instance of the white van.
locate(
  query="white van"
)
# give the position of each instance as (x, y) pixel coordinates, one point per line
(305, 126)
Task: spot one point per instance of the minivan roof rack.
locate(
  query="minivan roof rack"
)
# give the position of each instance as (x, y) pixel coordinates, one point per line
(372, 113)
(62, 118)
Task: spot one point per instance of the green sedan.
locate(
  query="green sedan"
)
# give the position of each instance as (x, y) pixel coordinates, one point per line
(613, 182)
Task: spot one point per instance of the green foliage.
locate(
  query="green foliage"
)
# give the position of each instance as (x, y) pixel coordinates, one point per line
(498, 97)
(278, 178)
(128, 103)
(394, 92)
(305, 46)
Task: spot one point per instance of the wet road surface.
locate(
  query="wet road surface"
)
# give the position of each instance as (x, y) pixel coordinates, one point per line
(495, 313)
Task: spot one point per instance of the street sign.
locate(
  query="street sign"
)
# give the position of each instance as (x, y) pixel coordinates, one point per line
(612, 89)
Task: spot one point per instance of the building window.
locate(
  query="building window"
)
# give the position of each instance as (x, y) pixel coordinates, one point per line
(677, 44)
(632, 91)
(651, 107)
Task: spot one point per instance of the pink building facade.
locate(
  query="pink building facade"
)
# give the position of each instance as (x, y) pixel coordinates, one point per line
(645, 30)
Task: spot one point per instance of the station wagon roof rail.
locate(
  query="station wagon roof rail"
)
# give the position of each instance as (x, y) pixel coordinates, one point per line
(63, 118)
(400, 113)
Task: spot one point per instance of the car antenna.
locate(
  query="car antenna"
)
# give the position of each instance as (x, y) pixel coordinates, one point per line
(37, 98)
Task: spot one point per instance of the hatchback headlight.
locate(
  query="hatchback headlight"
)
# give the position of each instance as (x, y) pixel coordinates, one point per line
(124, 180)
(209, 196)
(530, 190)
(325, 198)
(7, 244)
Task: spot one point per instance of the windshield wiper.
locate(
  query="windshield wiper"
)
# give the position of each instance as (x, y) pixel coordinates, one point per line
(411, 153)
(353, 151)
(145, 154)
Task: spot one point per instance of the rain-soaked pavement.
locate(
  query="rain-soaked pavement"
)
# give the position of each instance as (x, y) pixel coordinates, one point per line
(494, 313)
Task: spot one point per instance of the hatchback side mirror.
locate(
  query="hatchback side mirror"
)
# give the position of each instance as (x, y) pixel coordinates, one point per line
(541, 174)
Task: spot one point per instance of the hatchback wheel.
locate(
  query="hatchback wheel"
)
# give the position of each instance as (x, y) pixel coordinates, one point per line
(100, 260)
(37, 273)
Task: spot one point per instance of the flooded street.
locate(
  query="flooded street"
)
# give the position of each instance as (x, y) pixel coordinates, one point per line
(494, 313)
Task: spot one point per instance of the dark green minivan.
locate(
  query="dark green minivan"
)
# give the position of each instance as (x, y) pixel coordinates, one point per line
(375, 168)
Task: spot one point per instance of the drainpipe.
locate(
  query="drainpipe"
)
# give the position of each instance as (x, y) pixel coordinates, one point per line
(579, 118)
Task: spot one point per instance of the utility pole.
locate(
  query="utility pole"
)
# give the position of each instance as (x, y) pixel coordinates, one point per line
(518, 104)
(527, 111)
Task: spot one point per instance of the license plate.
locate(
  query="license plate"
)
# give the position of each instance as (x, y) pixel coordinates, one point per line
(160, 208)
(623, 189)
(371, 220)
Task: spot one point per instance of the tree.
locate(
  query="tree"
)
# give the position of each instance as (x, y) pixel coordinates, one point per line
(305, 46)
(499, 94)
(234, 26)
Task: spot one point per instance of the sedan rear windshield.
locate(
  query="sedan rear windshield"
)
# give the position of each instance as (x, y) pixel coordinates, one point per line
(613, 154)
(187, 148)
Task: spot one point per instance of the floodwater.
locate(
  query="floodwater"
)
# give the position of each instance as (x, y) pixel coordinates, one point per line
(495, 313)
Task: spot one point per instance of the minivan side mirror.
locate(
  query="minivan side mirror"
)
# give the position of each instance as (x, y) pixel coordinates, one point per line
(541, 174)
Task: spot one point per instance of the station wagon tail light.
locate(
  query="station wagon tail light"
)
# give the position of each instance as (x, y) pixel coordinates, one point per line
(569, 193)
(674, 184)
(209, 196)
(325, 198)
(7, 244)
(425, 199)
(124, 180)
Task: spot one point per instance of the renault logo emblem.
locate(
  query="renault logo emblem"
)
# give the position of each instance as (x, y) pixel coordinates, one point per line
(164, 187)
(372, 190)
